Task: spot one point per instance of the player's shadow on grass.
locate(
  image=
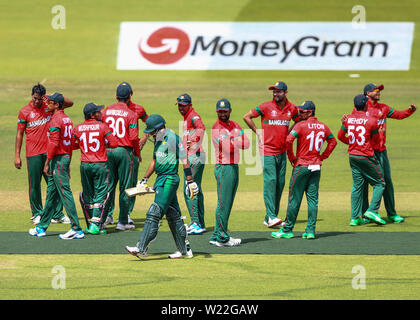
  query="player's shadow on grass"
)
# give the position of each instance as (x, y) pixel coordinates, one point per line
(253, 240)
(332, 234)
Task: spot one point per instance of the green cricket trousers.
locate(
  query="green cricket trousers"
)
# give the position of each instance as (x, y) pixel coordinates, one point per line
(120, 164)
(58, 189)
(227, 178)
(196, 206)
(388, 194)
(274, 173)
(95, 184)
(303, 181)
(35, 166)
(365, 170)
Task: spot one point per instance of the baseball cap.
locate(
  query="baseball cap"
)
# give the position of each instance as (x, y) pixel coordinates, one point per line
(124, 83)
(360, 100)
(223, 104)
(184, 99)
(91, 108)
(57, 98)
(153, 122)
(123, 91)
(307, 105)
(370, 87)
(279, 85)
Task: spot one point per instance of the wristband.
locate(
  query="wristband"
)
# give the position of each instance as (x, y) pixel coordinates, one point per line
(188, 172)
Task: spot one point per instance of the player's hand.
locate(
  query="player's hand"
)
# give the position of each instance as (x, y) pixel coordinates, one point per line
(18, 162)
(47, 170)
(412, 108)
(344, 118)
(192, 189)
(142, 182)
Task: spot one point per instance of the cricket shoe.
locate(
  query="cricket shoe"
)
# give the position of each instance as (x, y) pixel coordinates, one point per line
(63, 220)
(271, 223)
(179, 255)
(359, 221)
(37, 232)
(94, 229)
(232, 242)
(130, 221)
(122, 227)
(36, 220)
(196, 229)
(375, 217)
(72, 234)
(136, 252)
(308, 235)
(396, 218)
(281, 234)
(109, 220)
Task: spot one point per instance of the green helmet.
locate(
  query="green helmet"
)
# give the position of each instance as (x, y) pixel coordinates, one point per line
(153, 122)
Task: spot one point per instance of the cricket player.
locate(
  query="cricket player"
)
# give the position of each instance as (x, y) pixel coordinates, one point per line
(311, 135)
(168, 150)
(123, 123)
(381, 112)
(193, 133)
(228, 138)
(33, 123)
(141, 115)
(275, 119)
(57, 168)
(361, 133)
(92, 137)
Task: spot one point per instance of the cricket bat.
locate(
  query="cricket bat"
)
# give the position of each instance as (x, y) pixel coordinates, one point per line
(139, 190)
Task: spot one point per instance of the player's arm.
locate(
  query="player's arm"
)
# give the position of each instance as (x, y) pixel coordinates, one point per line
(331, 144)
(240, 139)
(197, 137)
(342, 135)
(18, 147)
(53, 143)
(111, 141)
(75, 142)
(289, 147)
(254, 113)
(401, 114)
(133, 135)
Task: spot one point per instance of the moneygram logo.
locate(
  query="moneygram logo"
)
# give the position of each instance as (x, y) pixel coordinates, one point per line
(165, 46)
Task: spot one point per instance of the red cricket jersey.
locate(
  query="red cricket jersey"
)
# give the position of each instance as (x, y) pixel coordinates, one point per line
(381, 112)
(311, 135)
(228, 138)
(139, 111)
(123, 123)
(91, 137)
(34, 122)
(275, 125)
(194, 130)
(59, 135)
(359, 129)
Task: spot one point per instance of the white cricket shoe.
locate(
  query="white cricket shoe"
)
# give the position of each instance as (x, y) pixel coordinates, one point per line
(37, 232)
(36, 220)
(72, 234)
(130, 221)
(232, 242)
(273, 222)
(63, 220)
(109, 220)
(136, 252)
(122, 227)
(179, 255)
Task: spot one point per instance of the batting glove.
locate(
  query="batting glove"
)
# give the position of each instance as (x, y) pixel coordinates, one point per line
(192, 189)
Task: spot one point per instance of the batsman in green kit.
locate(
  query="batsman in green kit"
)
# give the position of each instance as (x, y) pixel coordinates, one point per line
(168, 150)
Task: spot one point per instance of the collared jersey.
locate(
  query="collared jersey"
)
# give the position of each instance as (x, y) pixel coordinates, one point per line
(34, 121)
(123, 123)
(275, 125)
(167, 151)
(359, 128)
(59, 135)
(193, 132)
(91, 137)
(228, 137)
(311, 135)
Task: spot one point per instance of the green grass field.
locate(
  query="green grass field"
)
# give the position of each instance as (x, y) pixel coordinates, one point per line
(80, 62)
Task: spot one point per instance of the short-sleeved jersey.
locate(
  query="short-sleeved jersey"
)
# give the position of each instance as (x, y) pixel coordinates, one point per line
(123, 123)
(359, 128)
(167, 151)
(34, 121)
(59, 135)
(311, 135)
(139, 111)
(381, 112)
(91, 137)
(193, 132)
(228, 137)
(275, 125)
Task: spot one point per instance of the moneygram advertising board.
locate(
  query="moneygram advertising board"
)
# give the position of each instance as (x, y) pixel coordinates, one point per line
(264, 46)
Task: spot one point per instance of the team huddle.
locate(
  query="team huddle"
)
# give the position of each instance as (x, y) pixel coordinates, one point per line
(110, 152)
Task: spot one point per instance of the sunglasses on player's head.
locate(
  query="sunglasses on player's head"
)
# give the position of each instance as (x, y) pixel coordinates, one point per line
(376, 90)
